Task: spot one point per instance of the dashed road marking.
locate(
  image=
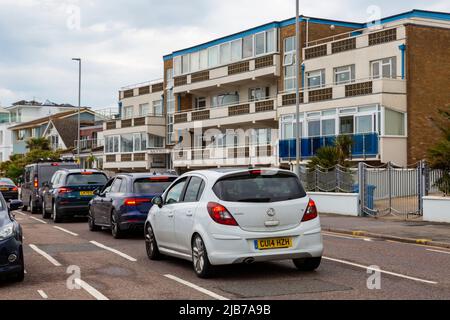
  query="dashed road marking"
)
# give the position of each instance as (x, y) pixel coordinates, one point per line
(66, 231)
(382, 271)
(45, 255)
(439, 251)
(38, 220)
(123, 255)
(194, 286)
(91, 290)
(42, 294)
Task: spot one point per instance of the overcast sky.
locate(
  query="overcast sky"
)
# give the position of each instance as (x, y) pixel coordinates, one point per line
(122, 42)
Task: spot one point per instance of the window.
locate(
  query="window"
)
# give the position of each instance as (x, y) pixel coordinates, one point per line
(174, 194)
(112, 144)
(195, 61)
(21, 134)
(116, 185)
(247, 50)
(185, 64)
(127, 112)
(256, 94)
(236, 50)
(1, 140)
(144, 109)
(289, 64)
(169, 76)
(289, 78)
(328, 127)
(346, 125)
(170, 101)
(123, 187)
(170, 133)
(364, 124)
(314, 128)
(213, 56)
(385, 68)
(271, 41)
(289, 44)
(126, 143)
(200, 103)
(77, 179)
(394, 123)
(289, 127)
(260, 43)
(225, 53)
(152, 186)
(140, 141)
(225, 99)
(177, 66)
(158, 108)
(316, 79)
(194, 190)
(261, 137)
(344, 74)
(204, 59)
(155, 142)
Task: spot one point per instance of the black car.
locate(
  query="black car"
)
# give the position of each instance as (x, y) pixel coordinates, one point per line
(124, 202)
(69, 192)
(34, 178)
(8, 189)
(11, 247)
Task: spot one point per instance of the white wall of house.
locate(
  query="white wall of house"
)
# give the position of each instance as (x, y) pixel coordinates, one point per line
(6, 146)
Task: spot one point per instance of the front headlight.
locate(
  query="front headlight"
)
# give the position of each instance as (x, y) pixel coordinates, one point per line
(6, 231)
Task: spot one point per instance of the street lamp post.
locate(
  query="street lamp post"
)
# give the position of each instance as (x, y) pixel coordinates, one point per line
(79, 106)
(297, 89)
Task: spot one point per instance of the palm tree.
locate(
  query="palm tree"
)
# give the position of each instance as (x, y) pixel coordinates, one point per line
(330, 156)
(38, 144)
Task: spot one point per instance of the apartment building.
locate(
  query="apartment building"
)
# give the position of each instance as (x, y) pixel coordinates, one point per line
(136, 141)
(231, 101)
(6, 146)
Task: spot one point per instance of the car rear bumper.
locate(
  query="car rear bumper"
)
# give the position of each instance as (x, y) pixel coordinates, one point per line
(134, 220)
(10, 195)
(239, 246)
(73, 210)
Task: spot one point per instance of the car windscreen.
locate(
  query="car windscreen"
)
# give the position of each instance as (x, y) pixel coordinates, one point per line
(250, 187)
(46, 171)
(152, 185)
(80, 179)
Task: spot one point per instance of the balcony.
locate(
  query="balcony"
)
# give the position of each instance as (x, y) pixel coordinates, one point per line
(89, 144)
(226, 156)
(364, 146)
(352, 40)
(153, 124)
(141, 89)
(265, 66)
(359, 92)
(228, 115)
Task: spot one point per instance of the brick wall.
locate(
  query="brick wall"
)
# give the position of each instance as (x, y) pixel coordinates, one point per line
(186, 102)
(428, 85)
(316, 31)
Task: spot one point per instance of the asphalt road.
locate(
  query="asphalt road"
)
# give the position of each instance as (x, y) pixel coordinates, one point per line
(119, 269)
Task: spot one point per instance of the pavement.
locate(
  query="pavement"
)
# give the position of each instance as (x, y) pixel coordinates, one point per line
(390, 228)
(107, 268)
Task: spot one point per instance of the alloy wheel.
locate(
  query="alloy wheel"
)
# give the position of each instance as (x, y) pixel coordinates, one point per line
(198, 255)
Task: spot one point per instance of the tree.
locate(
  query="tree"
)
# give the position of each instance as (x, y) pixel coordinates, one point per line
(330, 156)
(38, 144)
(439, 154)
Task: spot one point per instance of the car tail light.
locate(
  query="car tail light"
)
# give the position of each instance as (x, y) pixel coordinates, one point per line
(15, 189)
(220, 214)
(64, 190)
(310, 212)
(131, 202)
(36, 182)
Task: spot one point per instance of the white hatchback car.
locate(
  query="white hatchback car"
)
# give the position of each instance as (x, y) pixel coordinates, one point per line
(227, 216)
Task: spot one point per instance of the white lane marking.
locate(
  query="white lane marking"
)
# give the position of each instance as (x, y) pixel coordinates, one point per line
(382, 271)
(42, 294)
(38, 220)
(123, 255)
(66, 231)
(45, 255)
(439, 251)
(91, 290)
(367, 240)
(193, 286)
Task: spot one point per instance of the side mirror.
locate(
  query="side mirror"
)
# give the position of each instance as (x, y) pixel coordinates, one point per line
(158, 201)
(15, 205)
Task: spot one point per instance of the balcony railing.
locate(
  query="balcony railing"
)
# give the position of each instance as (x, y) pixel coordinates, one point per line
(90, 144)
(365, 145)
(135, 121)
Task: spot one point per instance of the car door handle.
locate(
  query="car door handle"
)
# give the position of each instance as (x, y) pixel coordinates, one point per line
(170, 215)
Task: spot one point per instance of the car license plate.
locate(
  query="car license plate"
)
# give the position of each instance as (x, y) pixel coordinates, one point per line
(276, 243)
(4, 189)
(86, 193)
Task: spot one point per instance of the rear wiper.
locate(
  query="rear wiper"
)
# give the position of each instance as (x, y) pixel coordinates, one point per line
(255, 200)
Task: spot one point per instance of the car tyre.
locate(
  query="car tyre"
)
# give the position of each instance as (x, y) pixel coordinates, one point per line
(151, 245)
(32, 208)
(200, 261)
(116, 232)
(45, 214)
(308, 264)
(56, 215)
(91, 222)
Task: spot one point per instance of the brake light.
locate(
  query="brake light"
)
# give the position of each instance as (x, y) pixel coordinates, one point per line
(86, 173)
(55, 164)
(256, 172)
(135, 202)
(15, 189)
(36, 182)
(310, 212)
(165, 179)
(220, 214)
(64, 190)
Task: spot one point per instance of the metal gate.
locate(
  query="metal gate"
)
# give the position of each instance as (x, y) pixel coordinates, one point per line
(392, 190)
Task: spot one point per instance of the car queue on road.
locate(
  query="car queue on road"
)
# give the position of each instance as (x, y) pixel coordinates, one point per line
(210, 217)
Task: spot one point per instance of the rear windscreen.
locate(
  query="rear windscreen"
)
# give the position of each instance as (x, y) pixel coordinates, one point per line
(6, 181)
(259, 188)
(46, 171)
(78, 179)
(151, 186)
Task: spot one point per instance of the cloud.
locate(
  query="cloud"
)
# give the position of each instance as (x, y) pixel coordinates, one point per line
(122, 42)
